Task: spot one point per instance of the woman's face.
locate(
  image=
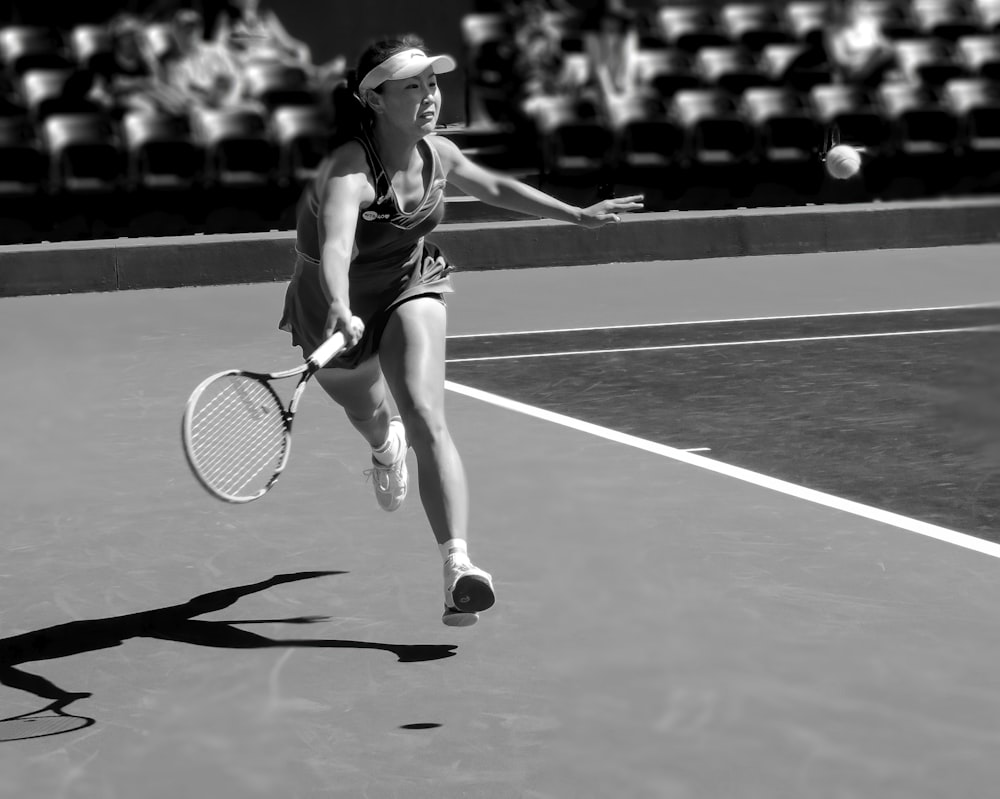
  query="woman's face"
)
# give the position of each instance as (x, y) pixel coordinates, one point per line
(412, 103)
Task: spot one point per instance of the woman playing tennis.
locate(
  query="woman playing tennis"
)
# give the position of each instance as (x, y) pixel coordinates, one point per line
(363, 268)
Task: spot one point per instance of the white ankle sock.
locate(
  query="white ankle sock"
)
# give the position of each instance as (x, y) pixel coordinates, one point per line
(388, 453)
(455, 548)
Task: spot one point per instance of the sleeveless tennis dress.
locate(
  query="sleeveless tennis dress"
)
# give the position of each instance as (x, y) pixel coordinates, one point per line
(392, 262)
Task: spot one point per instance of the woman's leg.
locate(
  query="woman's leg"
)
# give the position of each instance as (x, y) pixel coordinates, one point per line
(363, 395)
(412, 353)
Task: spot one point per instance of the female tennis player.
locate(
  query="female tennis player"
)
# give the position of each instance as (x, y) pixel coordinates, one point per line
(364, 268)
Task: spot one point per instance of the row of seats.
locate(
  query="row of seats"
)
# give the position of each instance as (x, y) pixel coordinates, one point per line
(775, 124)
(92, 152)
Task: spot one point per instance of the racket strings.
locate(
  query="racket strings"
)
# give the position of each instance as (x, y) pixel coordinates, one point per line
(236, 434)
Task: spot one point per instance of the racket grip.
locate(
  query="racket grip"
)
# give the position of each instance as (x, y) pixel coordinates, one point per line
(326, 351)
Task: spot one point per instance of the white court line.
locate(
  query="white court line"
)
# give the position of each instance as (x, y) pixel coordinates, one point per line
(975, 306)
(745, 475)
(703, 345)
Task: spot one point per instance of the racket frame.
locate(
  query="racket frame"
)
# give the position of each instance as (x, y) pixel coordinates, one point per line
(314, 362)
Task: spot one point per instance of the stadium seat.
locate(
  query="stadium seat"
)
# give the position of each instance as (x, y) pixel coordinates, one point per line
(85, 155)
(975, 102)
(273, 84)
(920, 124)
(808, 20)
(645, 137)
(752, 25)
(732, 69)
(715, 132)
(893, 17)
(979, 55)
(926, 61)
(24, 47)
(849, 110)
(51, 91)
(302, 134)
(91, 46)
(23, 165)
(160, 152)
(489, 59)
(987, 14)
(665, 71)
(786, 131)
(797, 64)
(689, 28)
(945, 19)
(569, 140)
(238, 150)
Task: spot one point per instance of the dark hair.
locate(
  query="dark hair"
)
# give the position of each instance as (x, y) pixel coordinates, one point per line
(352, 116)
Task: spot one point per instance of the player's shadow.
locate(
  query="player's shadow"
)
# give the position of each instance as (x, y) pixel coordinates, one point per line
(174, 623)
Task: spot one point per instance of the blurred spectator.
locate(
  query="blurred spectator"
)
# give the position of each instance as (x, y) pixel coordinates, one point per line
(132, 77)
(203, 71)
(249, 33)
(540, 62)
(858, 50)
(611, 41)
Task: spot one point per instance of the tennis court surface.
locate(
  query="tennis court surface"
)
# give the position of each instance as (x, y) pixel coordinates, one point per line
(742, 516)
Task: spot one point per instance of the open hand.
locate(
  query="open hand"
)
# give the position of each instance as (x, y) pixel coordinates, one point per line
(609, 211)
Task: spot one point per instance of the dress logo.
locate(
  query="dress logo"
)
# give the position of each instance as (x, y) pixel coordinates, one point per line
(371, 216)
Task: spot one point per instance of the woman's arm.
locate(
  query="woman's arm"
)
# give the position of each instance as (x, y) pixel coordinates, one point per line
(347, 191)
(504, 191)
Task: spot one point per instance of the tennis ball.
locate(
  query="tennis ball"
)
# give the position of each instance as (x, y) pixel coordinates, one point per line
(843, 162)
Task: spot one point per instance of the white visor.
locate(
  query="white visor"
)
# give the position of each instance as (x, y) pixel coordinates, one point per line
(405, 65)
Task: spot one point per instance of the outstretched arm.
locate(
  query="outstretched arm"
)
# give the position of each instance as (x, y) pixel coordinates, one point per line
(504, 191)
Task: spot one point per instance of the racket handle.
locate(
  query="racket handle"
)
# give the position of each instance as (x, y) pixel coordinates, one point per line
(326, 351)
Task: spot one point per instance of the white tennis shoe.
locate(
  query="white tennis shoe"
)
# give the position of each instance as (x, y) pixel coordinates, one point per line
(467, 590)
(390, 481)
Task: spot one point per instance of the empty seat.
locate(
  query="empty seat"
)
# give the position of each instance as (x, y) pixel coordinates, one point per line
(273, 84)
(84, 152)
(732, 69)
(975, 102)
(489, 58)
(808, 20)
(715, 133)
(893, 17)
(302, 134)
(798, 64)
(928, 61)
(24, 47)
(752, 25)
(920, 124)
(569, 140)
(23, 165)
(665, 71)
(786, 130)
(160, 151)
(689, 28)
(979, 55)
(987, 14)
(91, 46)
(51, 91)
(848, 111)
(645, 137)
(238, 150)
(946, 19)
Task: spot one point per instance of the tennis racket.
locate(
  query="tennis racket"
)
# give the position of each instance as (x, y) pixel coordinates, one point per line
(236, 430)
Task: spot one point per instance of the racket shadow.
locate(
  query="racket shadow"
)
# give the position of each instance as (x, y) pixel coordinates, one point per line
(174, 623)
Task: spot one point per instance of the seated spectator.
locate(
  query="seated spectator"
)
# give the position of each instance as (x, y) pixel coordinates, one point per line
(858, 50)
(203, 71)
(132, 77)
(611, 41)
(248, 33)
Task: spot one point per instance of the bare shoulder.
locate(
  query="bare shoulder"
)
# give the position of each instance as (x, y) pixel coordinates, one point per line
(348, 173)
(447, 151)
